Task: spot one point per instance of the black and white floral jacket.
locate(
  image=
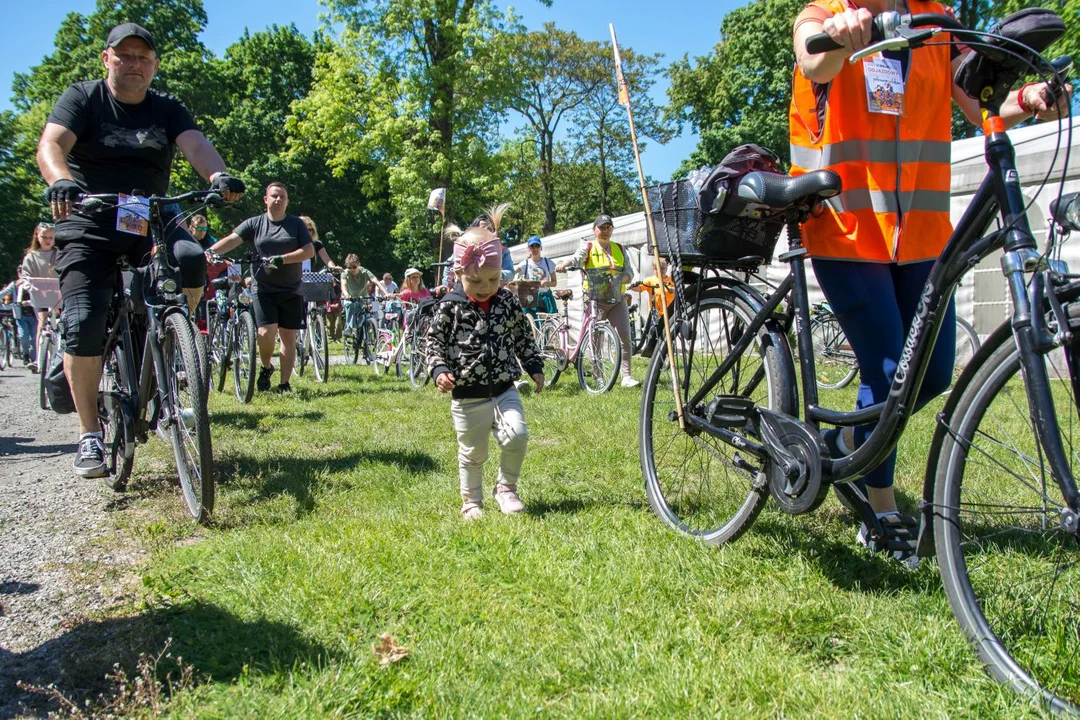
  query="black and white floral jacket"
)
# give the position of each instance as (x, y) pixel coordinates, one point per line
(481, 349)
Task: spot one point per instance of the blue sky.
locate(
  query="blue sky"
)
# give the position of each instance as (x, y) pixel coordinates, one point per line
(674, 28)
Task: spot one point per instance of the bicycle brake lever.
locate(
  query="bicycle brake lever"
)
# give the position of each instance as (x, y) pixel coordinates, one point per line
(906, 37)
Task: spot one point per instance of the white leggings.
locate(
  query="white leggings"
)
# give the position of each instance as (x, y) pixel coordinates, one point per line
(501, 416)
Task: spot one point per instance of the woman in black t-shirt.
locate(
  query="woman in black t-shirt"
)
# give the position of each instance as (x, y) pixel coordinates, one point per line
(284, 243)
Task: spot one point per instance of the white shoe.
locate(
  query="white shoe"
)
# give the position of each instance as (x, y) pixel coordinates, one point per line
(628, 381)
(471, 511)
(507, 498)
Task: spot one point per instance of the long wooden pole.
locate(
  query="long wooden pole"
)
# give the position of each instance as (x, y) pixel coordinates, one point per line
(624, 99)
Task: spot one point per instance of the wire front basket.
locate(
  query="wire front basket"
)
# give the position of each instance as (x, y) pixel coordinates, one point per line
(701, 239)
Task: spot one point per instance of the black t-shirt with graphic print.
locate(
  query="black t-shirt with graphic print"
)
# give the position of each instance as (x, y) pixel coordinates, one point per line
(121, 147)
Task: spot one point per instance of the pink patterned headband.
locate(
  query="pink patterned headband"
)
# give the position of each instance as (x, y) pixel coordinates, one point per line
(470, 258)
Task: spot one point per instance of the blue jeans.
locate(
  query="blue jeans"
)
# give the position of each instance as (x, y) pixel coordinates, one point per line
(28, 335)
(353, 311)
(875, 304)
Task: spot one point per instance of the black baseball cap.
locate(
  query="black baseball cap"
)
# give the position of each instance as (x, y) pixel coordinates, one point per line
(603, 220)
(126, 30)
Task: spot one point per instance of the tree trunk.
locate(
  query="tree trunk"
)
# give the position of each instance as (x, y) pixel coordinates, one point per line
(547, 182)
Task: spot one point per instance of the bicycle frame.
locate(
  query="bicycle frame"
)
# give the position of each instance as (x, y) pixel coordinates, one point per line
(967, 245)
(588, 319)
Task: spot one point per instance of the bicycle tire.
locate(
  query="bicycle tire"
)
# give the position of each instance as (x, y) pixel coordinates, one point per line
(320, 347)
(995, 519)
(599, 359)
(116, 377)
(380, 363)
(220, 349)
(554, 356)
(5, 348)
(418, 372)
(300, 355)
(189, 427)
(967, 343)
(834, 362)
(695, 483)
(203, 356)
(369, 335)
(244, 348)
(44, 356)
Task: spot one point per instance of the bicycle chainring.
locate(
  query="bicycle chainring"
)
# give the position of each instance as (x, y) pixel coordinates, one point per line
(792, 444)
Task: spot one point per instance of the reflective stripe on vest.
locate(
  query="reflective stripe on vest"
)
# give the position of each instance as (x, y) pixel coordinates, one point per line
(895, 170)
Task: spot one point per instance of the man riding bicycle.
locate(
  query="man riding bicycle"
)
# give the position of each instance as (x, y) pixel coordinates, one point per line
(115, 136)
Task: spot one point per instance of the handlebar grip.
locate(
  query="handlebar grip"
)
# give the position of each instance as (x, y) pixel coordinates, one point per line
(822, 43)
(1055, 87)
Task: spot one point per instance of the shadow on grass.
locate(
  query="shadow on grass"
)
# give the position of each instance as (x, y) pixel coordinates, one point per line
(847, 566)
(302, 477)
(250, 420)
(219, 646)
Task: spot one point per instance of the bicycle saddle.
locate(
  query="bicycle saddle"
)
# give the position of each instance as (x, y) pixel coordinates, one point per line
(782, 191)
(220, 283)
(563, 294)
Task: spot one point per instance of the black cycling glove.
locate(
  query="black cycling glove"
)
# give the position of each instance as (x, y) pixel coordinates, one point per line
(63, 191)
(227, 183)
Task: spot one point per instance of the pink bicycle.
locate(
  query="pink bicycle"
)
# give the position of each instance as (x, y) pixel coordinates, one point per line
(596, 354)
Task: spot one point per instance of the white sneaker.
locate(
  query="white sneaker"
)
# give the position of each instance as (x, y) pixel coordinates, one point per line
(507, 497)
(471, 511)
(628, 381)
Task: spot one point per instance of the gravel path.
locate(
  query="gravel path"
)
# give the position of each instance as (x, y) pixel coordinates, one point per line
(61, 556)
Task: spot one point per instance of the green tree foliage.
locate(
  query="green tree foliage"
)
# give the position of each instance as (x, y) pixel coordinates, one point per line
(20, 203)
(602, 129)
(415, 86)
(554, 73)
(740, 92)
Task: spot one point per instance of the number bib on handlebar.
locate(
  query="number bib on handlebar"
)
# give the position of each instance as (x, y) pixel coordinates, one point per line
(133, 215)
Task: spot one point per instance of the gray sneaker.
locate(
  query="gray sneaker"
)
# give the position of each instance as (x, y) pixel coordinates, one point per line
(90, 457)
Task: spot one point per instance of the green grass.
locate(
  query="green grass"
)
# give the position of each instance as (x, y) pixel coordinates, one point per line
(338, 520)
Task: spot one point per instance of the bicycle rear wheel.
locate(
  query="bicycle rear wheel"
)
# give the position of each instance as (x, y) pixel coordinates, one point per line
(320, 347)
(696, 483)
(189, 427)
(598, 359)
(243, 356)
(418, 372)
(834, 360)
(219, 349)
(1010, 569)
(116, 393)
(552, 351)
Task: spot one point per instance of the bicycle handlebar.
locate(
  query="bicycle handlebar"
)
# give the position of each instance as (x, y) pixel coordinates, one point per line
(93, 202)
(891, 31)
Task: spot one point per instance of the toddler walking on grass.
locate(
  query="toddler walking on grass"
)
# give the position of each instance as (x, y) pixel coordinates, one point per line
(475, 342)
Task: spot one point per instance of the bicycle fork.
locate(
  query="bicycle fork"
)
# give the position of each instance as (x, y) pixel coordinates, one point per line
(1027, 321)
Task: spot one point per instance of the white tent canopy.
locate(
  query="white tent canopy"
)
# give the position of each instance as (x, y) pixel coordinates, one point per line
(1041, 152)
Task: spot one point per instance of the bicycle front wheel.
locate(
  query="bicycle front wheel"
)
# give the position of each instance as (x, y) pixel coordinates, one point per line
(369, 335)
(45, 351)
(5, 348)
(599, 358)
(320, 347)
(189, 426)
(418, 372)
(834, 360)
(1010, 570)
(202, 356)
(301, 352)
(380, 362)
(698, 484)
(116, 391)
(243, 356)
(220, 330)
(967, 343)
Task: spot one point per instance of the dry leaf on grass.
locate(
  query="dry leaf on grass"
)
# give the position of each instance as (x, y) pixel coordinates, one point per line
(388, 651)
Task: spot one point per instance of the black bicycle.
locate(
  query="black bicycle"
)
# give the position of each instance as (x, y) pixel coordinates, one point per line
(232, 334)
(47, 344)
(152, 378)
(723, 425)
(359, 337)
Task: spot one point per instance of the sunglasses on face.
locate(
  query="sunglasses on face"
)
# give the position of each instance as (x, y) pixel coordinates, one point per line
(201, 227)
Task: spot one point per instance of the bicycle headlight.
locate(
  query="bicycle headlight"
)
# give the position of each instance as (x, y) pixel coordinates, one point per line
(244, 299)
(167, 286)
(1066, 211)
